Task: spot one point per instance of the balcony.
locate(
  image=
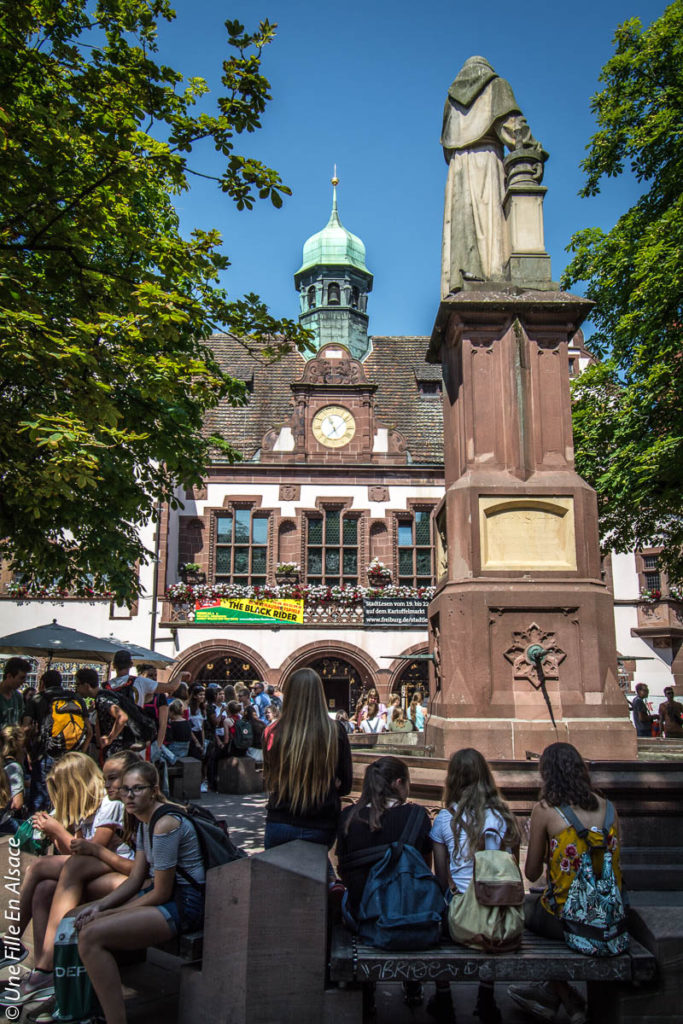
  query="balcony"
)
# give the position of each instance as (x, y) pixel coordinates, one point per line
(328, 613)
(660, 619)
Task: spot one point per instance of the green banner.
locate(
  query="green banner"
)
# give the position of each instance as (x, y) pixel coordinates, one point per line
(285, 611)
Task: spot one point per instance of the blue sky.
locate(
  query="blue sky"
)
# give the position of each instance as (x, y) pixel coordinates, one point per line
(362, 85)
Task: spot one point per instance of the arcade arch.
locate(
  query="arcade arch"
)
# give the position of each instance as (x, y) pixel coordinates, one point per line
(221, 662)
(409, 676)
(346, 672)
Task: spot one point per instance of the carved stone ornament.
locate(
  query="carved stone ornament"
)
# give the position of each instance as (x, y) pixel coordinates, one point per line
(343, 370)
(522, 666)
(378, 494)
(289, 492)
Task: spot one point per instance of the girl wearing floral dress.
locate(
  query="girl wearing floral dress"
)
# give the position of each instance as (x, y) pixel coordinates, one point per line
(555, 844)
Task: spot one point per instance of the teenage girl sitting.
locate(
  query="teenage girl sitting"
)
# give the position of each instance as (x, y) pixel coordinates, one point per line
(100, 856)
(555, 844)
(378, 818)
(473, 809)
(135, 916)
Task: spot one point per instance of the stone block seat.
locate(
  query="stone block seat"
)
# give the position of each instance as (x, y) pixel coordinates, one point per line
(239, 775)
(185, 779)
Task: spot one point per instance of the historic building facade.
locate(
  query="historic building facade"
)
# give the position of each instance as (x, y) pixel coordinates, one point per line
(332, 506)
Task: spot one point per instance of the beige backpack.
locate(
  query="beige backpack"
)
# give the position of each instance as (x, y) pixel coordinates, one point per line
(489, 915)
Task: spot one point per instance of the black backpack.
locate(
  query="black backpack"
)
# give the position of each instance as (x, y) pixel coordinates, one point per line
(244, 735)
(142, 725)
(214, 838)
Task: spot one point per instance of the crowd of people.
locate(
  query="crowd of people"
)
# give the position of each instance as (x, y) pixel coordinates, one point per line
(373, 716)
(128, 863)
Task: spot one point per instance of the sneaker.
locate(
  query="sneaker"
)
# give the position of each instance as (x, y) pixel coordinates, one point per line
(486, 1009)
(540, 1001)
(440, 1007)
(412, 993)
(12, 951)
(34, 987)
(575, 1007)
(204, 788)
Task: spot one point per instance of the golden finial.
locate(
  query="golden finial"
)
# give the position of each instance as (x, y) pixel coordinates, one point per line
(335, 179)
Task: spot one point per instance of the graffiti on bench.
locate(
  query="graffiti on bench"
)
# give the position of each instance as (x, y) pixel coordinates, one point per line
(420, 970)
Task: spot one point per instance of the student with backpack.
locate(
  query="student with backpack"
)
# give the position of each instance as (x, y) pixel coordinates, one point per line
(474, 817)
(134, 916)
(382, 816)
(574, 833)
(59, 724)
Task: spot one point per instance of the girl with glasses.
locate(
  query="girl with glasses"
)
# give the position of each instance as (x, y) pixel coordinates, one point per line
(134, 915)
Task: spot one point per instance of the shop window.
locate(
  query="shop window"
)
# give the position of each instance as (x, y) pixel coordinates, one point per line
(332, 548)
(416, 550)
(241, 547)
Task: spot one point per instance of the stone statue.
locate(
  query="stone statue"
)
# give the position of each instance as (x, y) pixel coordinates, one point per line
(480, 117)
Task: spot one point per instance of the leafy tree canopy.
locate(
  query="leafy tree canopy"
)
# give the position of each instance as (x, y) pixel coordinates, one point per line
(105, 378)
(628, 413)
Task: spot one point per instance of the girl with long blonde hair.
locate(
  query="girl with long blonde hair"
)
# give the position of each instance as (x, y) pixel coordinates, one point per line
(12, 739)
(307, 765)
(87, 814)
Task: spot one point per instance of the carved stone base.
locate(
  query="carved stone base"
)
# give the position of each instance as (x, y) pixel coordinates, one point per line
(490, 695)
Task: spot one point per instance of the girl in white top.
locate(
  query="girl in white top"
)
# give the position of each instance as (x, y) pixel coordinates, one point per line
(473, 810)
(374, 721)
(96, 854)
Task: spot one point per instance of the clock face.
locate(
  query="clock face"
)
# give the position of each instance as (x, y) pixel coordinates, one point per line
(334, 426)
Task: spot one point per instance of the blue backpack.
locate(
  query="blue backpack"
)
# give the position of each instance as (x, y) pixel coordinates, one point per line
(402, 904)
(593, 916)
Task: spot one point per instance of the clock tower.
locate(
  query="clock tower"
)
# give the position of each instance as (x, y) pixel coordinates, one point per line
(333, 284)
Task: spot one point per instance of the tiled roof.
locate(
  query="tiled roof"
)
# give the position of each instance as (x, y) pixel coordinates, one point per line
(395, 364)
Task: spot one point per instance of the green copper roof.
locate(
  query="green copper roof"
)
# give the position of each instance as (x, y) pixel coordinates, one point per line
(334, 245)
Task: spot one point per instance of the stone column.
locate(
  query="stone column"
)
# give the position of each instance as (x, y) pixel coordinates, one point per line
(518, 546)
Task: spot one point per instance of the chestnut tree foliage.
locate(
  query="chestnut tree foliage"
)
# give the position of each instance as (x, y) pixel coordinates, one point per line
(105, 379)
(628, 409)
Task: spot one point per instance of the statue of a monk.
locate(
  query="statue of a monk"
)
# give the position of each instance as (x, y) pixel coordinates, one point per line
(480, 117)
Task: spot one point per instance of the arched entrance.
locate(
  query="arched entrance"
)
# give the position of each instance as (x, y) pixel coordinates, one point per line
(341, 682)
(415, 676)
(228, 668)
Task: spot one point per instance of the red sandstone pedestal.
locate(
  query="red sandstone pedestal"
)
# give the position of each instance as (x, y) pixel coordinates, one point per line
(517, 552)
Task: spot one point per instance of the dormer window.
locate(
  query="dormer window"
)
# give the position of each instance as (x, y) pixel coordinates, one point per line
(333, 294)
(311, 297)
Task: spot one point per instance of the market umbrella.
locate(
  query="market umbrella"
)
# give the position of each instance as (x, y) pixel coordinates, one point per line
(52, 640)
(139, 653)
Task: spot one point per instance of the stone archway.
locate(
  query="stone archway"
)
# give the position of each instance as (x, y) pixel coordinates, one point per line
(408, 676)
(346, 671)
(229, 657)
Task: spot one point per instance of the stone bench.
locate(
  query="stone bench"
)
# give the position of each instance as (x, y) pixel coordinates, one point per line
(239, 775)
(185, 779)
(537, 960)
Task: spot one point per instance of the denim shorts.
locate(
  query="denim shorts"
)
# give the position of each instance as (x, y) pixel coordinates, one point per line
(185, 912)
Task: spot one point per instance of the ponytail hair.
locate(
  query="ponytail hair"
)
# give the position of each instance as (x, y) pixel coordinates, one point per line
(378, 790)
